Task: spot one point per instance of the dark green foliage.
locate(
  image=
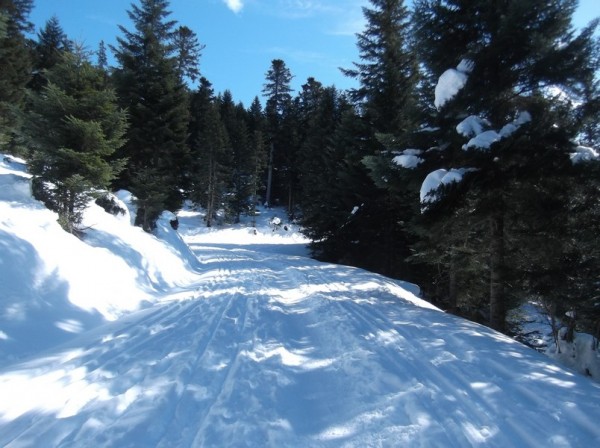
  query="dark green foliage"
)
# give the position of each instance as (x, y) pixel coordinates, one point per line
(211, 155)
(74, 127)
(279, 116)
(108, 203)
(241, 184)
(258, 152)
(387, 71)
(102, 59)
(514, 53)
(15, 61)
(188, 53)
(150, 87)
(375, 236)
(52, 43)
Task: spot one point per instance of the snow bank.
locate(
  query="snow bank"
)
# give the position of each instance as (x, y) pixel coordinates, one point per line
(54, 285)
(580, 355)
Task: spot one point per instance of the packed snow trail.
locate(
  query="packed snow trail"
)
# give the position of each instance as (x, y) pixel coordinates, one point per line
(268, 350)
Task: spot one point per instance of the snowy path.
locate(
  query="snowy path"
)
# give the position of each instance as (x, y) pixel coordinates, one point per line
(271, 350)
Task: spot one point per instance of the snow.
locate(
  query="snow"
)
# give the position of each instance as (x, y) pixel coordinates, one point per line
(407, 161)
(409, 158)
(584, 154)
(483, 140)
(474, 126)
(231, 336)
(581, 354)
(451, 82)
(436, 179)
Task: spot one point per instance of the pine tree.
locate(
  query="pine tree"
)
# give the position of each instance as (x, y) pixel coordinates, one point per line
(150, 87)
(102, 57)
(74, 127)
(15, 61)
(52, 43)
(279, 101)
(387, 97)
(258, 152)
(387, 69)
(188, 51)
(240, 186)
(509, 56)
(211, 153)
(320, 114)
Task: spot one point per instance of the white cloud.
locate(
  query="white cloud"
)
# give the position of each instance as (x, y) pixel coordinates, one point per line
(235, 5)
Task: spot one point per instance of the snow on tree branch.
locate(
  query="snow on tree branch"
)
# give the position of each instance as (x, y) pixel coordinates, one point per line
(451, 82)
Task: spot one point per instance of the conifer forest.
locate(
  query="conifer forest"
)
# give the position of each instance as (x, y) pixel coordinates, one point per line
(465, 161)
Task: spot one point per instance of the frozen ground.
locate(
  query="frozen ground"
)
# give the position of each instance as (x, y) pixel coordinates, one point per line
(234, 338)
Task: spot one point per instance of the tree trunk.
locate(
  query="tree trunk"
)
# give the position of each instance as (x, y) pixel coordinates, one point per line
(497, 294)
(210, 197)
(270, 175)
(452, 296)
(291, 200)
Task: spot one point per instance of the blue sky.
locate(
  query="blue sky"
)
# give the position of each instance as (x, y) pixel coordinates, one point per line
(242, 37)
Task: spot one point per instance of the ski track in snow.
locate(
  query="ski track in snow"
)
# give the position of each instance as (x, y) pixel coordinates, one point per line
(267, 350)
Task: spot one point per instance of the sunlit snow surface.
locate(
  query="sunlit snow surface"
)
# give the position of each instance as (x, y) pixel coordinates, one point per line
(249, 344)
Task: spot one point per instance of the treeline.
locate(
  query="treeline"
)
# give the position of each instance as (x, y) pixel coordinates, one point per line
(461, 162)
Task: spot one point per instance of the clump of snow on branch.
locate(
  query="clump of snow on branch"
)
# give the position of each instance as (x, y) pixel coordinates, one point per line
(483, 139)
(436, 179)
(472, 126)
(451, 82)
(584, 154)
(409, 158)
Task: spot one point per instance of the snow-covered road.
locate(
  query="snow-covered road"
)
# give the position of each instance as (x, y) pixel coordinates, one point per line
(237, 342)
(271, 350)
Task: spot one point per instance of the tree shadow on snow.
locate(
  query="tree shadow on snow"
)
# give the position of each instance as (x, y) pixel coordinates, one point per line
(35, 311)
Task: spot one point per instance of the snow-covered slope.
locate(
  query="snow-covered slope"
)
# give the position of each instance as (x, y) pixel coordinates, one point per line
(249, 344)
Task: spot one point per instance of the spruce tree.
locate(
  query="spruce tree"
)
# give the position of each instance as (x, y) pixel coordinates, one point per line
(320, 114)
(388, 75)
(15, 61)
(240, 185)
(188, 51)
(256, 122)
(150, 87)
(211, 155)
(52, 43)
(387, 69)
(501, 121)
(277, 90)
(102, 58)
(74, 127)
